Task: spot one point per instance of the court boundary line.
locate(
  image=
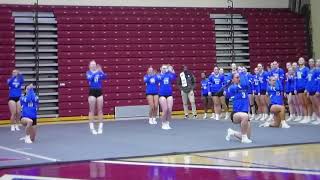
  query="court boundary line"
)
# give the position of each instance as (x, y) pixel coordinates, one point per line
(29, 154)
(210, 167)
(12, 176)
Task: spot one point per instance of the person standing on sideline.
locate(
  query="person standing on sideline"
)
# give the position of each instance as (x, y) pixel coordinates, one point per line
(186, 83)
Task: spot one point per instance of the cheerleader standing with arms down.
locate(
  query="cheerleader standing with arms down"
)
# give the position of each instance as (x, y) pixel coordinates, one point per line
(152, 90)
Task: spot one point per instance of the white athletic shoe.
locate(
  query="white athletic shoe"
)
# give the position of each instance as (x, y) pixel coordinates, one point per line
(230, 133)
(27, 140)
(284, 125)
(227, 116)
(252, 117)
(217, 118)
(100, 131)
(291, 117)
(154, 121)
(17, 127)
(150, 121)
(205, 116)
(263, 117)
(305, 120)
(246, 141)
(166, 126)
(213, 115)
(13, 128)
(266, 124)
(22, 138)
(298, 118)
(270, 118)
(94, 132)
(258, 117)
(316, 122)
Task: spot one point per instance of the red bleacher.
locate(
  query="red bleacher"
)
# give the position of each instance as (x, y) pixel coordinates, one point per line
(127, 40)
(279, 36)
(7, 57)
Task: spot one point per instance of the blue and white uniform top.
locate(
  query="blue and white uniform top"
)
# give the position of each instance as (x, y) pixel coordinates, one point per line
(205, 87)
(95, 79)
(255, 84)
(278, 73)
(152, 84)
(290, 84)
(29, 104)
(15, 84)
(240, 98)
(263, 80)
(217, 82)
(275, 93)
(165, 80)
(301, 78)
(312, 80)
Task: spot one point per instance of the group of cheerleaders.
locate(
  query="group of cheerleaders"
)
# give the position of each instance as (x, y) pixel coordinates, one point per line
(253, 97)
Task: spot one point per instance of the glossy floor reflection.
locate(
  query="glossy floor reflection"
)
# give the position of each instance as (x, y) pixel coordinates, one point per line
(296, 162)
(127, 171)
(295, 157)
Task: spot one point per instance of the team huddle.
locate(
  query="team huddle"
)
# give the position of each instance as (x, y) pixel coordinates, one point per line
(259, 96)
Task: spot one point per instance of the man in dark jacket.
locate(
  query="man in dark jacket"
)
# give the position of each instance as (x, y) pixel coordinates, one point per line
(186, 83)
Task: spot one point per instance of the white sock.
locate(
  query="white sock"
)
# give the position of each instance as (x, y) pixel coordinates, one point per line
(91, 125)
(101, 125)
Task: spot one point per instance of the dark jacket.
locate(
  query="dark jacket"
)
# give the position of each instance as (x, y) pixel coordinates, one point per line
(191, 81)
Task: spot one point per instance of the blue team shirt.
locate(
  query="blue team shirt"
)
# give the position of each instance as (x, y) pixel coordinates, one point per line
(15, 84)
(275, 93)
(263, 80)
(240, 98)
(312, 81)
(152, 84)
(95, 79)
(301, 78)
(278, 73)
(217, 81)
(165, 80)
(290, 84)
(205, 87)
(255, 84)
(29, 104)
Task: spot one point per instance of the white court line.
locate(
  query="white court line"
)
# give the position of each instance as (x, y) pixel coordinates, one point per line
(9, 177)
(29, 154)
(211, 167)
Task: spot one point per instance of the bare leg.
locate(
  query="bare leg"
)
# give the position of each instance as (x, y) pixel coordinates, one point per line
(92, 107)
(156, 106)
(243, 119)
(217, 106)
(13, 110)
(170, 105)
(192, 102)
(164, 108)
(151, 105)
